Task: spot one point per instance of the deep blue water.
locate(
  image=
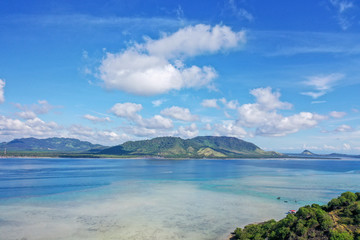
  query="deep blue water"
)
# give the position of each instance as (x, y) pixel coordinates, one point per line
(25, 177)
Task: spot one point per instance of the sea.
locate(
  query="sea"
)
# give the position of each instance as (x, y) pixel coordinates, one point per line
(54, 198)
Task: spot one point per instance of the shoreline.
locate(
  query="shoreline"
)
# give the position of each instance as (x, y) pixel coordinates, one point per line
(177, 159)
(86, 156)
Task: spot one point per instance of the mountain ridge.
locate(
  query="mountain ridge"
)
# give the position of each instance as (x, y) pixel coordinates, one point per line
(54, 144)
(198, 147)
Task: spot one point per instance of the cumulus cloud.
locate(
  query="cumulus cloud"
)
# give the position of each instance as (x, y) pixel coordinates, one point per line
(336, 114)
(210, 103)
(187, 131)
(269, 100)
(281, 126)
(2, 85)
(179, 113)
(233, 104)
(11, 128)
(213, 103)
(322, 84)
(130, 111)
(195, 40)
(35, 127)
(143, 74)
(95, 119)
(127, 110)
(156, 122)
(157, 66)
(27, 115)
(104, 137)
(264, 117)
(229, 128)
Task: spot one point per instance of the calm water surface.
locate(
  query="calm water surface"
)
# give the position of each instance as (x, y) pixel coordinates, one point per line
(159, 199)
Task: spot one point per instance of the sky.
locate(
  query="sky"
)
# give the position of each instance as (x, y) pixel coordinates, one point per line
(281, 74)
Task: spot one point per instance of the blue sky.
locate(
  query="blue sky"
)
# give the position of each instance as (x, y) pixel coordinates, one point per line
(283, 75)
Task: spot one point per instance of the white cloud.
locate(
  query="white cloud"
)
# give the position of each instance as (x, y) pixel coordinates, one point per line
(195, 40)
(187, 131)
(230, 129)
(158, 102)
(27, 115)
(342, 7)
(35, 127)
(344, 128)
(2, 86)
(41, 107)
(15, 128)
(269, 100)
(314, 95)
(322, 84)
(156, 66)
(329, 147)
(240, 13)
(144, 74)
(316, 102)
(111, 136)
(233, 104)
(213, 103)
(141, 131)
(285, 125)
(210, 103)
(336, 114)
(346, 146)
(126, 110)
(227, 114)
(95, 119)
(130, 111)
(179, 113)
(263, 115)
(104, 137)
(156, 122)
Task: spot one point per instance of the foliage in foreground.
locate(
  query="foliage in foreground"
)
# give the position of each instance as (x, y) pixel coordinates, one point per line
(338, 220)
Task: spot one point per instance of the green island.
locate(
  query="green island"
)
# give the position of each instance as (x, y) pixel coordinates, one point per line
(160, 147)
(337, 220)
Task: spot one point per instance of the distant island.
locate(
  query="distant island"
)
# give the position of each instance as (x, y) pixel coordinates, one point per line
(160, 147)
(308, 154)
(338, 220)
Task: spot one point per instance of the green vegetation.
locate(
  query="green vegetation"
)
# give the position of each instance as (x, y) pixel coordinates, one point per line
(48, 146)
(198, 147)
(164, 147)
(338, 220)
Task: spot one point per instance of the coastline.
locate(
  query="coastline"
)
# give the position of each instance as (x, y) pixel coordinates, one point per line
(86, 156)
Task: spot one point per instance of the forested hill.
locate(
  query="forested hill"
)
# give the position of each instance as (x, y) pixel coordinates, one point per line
(198, 147)
(338, 220)
(49, 145)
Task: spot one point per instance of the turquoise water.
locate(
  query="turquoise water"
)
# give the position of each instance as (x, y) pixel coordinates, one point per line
(159, 199)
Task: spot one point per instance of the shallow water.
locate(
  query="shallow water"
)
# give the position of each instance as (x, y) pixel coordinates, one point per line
(159, 199)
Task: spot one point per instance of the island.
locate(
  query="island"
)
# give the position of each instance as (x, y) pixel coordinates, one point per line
(160, 147)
